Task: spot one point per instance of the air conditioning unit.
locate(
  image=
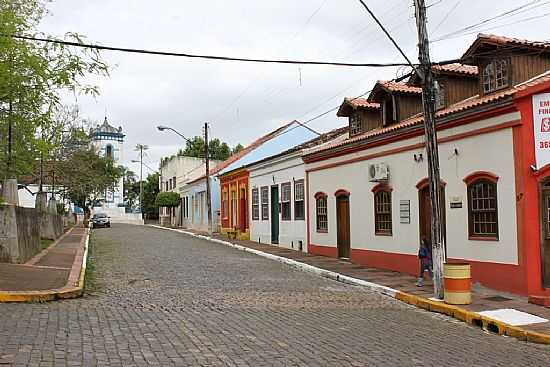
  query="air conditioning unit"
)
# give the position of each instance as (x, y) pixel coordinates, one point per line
(379, 172)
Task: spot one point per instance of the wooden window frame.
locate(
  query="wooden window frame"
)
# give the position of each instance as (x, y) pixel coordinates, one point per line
(319, 197)
(225, 204)
(378, 191)
(264, 203)
(355, 124)
(440, 94)
(286, 207)
(482, 177)
(255, 204)
(297, 200)
(494, 62)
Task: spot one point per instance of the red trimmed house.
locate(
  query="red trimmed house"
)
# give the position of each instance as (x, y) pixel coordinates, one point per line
(494, 151)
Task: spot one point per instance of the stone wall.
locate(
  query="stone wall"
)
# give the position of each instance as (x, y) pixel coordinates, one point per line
(51, 225)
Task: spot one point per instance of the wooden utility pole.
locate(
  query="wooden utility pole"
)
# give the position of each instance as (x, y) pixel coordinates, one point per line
(140, 146)
(428, 100)
(207, 164)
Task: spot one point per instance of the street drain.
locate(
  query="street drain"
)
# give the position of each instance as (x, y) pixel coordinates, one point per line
(493, 328)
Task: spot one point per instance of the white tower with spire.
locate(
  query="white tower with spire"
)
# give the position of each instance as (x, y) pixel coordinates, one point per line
(108, 141)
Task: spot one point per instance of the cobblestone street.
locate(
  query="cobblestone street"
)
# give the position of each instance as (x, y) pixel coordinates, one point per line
(156, 297)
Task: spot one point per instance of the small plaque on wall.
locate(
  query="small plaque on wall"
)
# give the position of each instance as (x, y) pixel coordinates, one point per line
(405, 211)
(456, 202)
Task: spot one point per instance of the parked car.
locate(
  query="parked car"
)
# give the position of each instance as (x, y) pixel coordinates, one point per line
(101, 220)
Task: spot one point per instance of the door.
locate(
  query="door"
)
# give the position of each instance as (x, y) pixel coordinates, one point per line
(233, 209)
(545, 233)
(425, 213)
(243, 218)
(275, 214)
(342, 226)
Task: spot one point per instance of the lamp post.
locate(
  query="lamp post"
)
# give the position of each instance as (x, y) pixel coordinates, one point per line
(207, 168)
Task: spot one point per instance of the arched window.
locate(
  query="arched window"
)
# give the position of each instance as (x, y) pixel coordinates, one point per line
(321, 211)
(109, 151)
(482, 205)
(495, 75)
(382, 210)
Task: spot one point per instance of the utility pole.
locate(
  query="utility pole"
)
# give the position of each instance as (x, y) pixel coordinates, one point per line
(207, 164)
(428, 100)
(141, 180)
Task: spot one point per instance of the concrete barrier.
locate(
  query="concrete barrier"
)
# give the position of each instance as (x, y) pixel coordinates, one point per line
(19, 233)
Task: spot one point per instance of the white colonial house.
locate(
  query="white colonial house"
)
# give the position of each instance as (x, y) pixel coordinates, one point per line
(277, 195)
(175, 174)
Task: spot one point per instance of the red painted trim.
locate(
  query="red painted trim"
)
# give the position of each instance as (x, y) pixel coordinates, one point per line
(410, 147)
(426, 181)
(342, 192)
(382, 186)
(319, 194)
(306, 203)
(478, 175)
(419, 132)
(323, 250)
(527, 92)
(542, 172)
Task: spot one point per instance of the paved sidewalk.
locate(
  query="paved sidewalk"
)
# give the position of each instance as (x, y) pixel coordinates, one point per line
(482, 299)
(51, 274)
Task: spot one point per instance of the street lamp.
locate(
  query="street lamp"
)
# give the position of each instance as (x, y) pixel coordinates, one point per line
(207, 164)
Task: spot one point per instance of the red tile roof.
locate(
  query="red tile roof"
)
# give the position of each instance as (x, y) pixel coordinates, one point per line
(456, 68)
(399, 87)
(466, 104)
(361, 103)
(245, 151)
(504, 41)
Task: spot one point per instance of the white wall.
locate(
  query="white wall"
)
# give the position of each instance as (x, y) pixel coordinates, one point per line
(275, 172)
(491, 152)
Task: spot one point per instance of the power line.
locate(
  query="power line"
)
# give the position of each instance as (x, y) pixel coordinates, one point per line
(387, 34)
(196, 56)
(446, 16)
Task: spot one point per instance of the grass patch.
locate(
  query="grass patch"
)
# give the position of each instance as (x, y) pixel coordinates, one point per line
(45, 243)
(89, 277)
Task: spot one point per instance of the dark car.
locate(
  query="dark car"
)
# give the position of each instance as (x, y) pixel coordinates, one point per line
(101, 220)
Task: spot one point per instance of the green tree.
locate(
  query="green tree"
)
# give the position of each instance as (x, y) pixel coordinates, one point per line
(131, 189)
(32, 77)
(150, 191)
(85, 176)
(237, 148)
(218, 150)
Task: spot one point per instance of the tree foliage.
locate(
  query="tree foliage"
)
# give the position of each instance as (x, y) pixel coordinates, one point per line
(218, 150)
(32, 77)
(167, 199)
(150, 191)
(85, 177)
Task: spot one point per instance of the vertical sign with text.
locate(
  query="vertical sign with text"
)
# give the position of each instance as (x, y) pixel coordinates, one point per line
(541, 122)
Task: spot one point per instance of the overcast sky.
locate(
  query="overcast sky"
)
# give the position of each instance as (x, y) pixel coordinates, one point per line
(242, 100)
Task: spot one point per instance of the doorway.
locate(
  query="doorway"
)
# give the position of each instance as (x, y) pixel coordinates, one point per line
(425, 213)
(275, 215)
(243, 212)
(343, 226)
(545, 232)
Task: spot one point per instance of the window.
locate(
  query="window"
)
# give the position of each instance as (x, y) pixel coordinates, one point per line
(299, 207)
(265, 203)
(439, 95)
(321, 211)
(255, 204)
(382, 212)
(225, 206)
(482, 208)
(109, 151)
(389, 111)
(234, 208)
(285, 201)
(174, 182)
(495, 75)
(354, 124)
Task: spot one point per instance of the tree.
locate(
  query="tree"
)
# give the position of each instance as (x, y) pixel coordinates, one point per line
(32, 77)
(219, 151)
(131, 188)
(150, 191)
(237, 149)
(167, 199)
(85, 176)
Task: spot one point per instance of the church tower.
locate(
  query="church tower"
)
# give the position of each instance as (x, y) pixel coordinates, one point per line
(108, 141)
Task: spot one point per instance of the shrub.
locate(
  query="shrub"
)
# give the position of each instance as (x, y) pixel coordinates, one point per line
(169, 199)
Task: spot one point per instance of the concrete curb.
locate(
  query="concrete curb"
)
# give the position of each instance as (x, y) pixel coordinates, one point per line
(73, 289)
(470, 317)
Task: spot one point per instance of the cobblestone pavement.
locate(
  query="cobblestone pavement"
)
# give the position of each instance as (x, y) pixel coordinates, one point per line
(156, 297)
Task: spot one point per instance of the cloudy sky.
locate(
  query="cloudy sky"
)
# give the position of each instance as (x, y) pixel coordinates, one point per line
(242, 100)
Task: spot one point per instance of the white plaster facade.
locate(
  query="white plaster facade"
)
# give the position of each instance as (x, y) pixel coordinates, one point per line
(286, 169)
(194, 210)
(490, 151)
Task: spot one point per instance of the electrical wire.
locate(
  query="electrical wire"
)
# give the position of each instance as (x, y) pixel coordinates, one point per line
(210, 57)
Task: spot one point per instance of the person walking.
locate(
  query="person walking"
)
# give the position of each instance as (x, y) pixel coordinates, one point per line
(425, 257)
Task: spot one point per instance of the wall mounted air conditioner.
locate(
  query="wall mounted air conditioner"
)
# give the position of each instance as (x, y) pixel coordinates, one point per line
(379, 172)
